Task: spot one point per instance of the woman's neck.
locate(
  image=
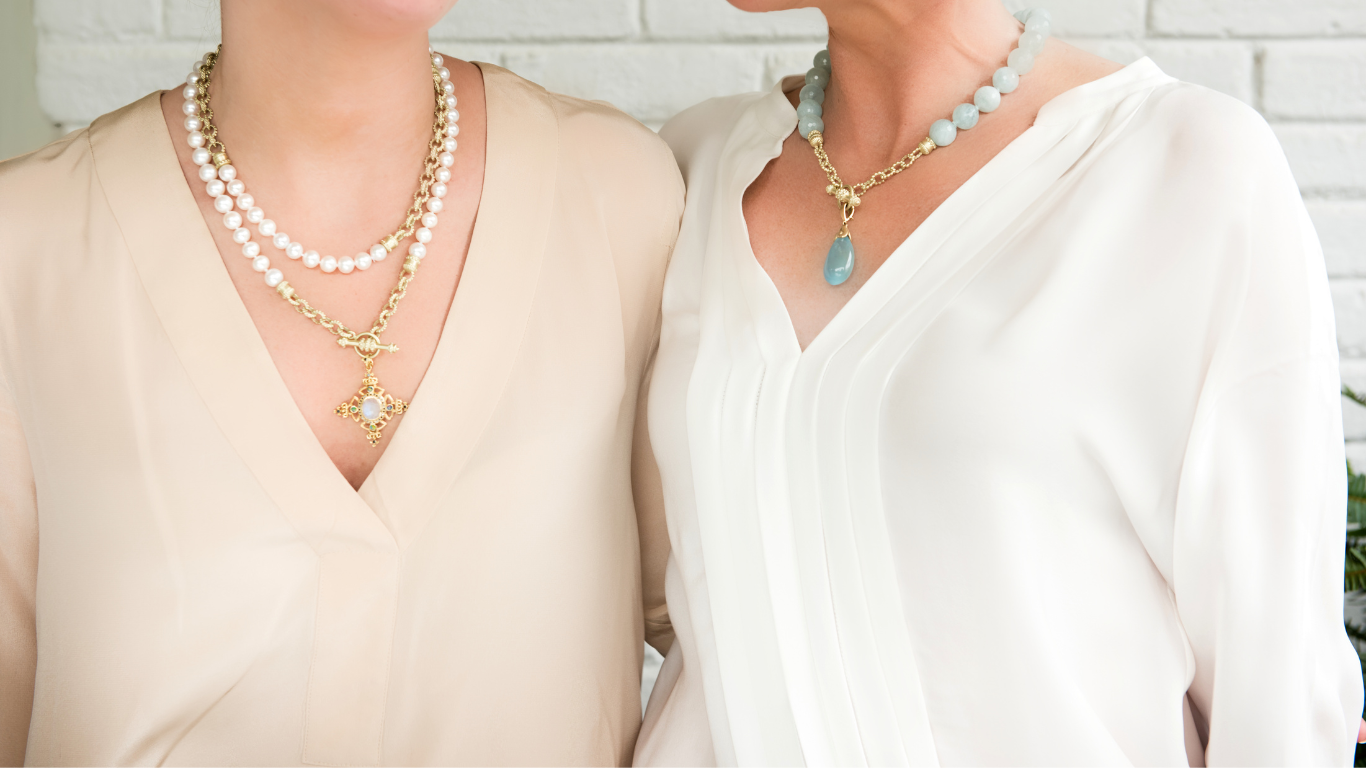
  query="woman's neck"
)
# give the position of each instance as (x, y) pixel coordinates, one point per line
(898, 66)
(298, 92)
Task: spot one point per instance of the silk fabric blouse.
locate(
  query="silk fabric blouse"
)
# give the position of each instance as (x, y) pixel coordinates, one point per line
(1061, 485)
(185, 578)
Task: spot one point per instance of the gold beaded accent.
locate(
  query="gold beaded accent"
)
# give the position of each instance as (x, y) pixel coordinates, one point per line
(850, 196)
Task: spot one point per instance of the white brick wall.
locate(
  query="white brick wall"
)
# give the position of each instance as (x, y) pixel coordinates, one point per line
(1301, 62)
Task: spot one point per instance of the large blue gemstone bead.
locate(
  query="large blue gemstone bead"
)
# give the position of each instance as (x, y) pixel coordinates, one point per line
(839, 262)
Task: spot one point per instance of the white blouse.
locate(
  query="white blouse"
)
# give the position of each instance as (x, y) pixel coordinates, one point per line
(1062, 484)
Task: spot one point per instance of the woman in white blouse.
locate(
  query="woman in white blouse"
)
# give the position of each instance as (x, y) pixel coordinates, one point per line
(1053, 475)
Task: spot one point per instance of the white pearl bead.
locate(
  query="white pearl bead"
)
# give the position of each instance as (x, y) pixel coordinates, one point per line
(190, 108)
(363, 262)
(233, 220)
(260, 263)
(227, 172)
(446, 159)
(246, 202)
(423, 235)
(241, 235)
(192, 78)
(429, 219)
(439, 190)
(440, 70)
(311, 259)
(236, 187)
(266, 227)
(207, 172)
(452, 129)
(375, 251)
(450, 102)
(451, 114)
(280, 240)
(222, 203)
(449, 144)
(328, 264)
(193, 123)
(274, 277)
(195, 139)
(443, 174)
(214, 188)
(294, 251)
(448, 86)
(256, 215)
(200, 156)
(417, 250)
(437, 60)
(189, 91)
(379, 256)
(251, 249)
(346, 265)
(434, 205)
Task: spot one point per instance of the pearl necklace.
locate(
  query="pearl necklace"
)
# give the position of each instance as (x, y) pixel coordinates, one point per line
(229, 191)
(371, 407)
(839, 260)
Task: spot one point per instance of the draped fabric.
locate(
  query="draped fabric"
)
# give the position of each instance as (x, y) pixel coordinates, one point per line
(185, 577)
(1062, 484)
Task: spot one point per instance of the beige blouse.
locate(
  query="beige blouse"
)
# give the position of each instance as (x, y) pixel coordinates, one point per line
(185, 578)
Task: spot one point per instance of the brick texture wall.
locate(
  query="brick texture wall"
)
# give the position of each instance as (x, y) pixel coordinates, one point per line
(1302, 63)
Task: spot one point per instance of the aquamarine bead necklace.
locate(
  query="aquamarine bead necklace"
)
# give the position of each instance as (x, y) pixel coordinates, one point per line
(839, 261)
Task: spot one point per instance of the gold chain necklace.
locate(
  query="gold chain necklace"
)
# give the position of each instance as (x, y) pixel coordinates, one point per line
(371, 406)
(839, 261)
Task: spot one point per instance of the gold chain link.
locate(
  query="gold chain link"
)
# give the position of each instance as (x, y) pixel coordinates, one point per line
(817, 141)
(219, 154)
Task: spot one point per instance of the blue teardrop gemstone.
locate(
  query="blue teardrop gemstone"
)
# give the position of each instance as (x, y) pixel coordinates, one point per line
(839, 262)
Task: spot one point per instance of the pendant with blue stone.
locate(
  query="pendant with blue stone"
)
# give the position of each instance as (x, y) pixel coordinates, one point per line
(839, 261)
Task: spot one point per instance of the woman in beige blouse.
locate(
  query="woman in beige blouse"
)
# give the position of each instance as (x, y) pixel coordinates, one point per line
(200, 562)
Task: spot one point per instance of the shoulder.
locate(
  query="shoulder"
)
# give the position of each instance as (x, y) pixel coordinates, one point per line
(613, 146)
(699, 132)
(32, 183)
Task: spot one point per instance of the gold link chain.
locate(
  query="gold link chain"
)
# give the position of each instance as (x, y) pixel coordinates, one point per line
(219, 153)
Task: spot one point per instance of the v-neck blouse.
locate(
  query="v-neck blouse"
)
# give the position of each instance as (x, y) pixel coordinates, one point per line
(185, 578)
(1062, 483)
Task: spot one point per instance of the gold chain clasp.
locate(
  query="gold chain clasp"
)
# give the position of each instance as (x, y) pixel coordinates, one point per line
(367, 345)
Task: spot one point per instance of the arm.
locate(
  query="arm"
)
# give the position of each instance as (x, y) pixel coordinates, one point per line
(654, 534)
(18, 581)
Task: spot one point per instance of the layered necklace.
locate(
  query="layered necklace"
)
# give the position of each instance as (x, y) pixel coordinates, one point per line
(839, 261)
(371, 407)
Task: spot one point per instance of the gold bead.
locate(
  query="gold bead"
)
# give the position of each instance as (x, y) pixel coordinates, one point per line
(854, 201)
(927, 146)
(815, 138)
(285, 289)
(829, 189)
(842, 195)
(220, 160)
(389, 243)
(410, 264)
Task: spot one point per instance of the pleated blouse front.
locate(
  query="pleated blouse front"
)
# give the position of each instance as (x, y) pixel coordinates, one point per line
(1062, 484)
(185, 578)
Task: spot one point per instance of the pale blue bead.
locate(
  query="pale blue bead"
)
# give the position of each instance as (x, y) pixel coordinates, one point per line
(808, 109)
(813, 93)
(942, 133)
(1006, 79)
(1032, 42)
(1039, 24)
(1040, 13)
(806, 125)
(987, 99)
(964, 117)
(817, 77)
(1021, 61)
(839, 261)
(1022, 16)
(822, 61)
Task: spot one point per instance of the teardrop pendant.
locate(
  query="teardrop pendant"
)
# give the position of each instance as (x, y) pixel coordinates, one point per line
(839, 262)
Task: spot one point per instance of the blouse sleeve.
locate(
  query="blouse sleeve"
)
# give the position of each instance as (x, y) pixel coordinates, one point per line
(654, 534)
(1260, 517)
(18, 581)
